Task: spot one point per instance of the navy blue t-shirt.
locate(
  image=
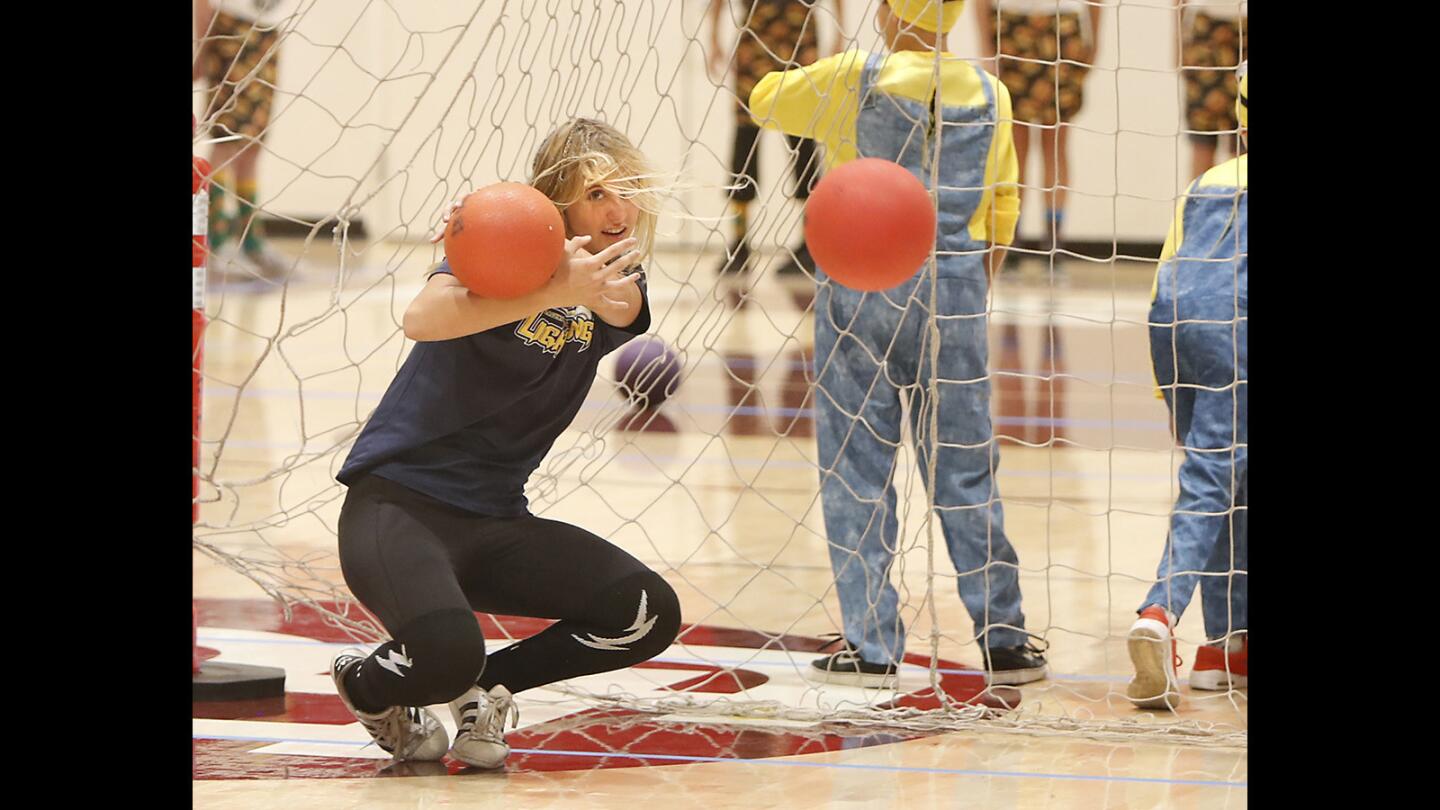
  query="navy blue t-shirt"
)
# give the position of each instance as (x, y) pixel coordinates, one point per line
(466, 421)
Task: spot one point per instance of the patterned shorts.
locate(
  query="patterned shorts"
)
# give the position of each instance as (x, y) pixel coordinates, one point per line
(1216, 46)
(232, 50)
(1038, 91)
(776, 36)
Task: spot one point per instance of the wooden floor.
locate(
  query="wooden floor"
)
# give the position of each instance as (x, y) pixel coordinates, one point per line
(720, 495)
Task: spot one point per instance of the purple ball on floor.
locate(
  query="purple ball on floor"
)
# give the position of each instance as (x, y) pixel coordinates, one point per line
(648, 371)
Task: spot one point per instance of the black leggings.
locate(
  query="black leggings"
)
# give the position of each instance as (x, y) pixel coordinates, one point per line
(745, 166)
(424, 568)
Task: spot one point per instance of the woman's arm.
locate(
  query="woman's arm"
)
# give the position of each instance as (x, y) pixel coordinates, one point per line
(446, 309)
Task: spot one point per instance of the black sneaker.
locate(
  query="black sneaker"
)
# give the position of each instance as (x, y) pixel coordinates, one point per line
(848, 668)
(736, 261)
(800, 264)
(1015, 665)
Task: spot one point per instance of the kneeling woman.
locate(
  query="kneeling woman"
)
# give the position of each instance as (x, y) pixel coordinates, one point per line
(435, 524)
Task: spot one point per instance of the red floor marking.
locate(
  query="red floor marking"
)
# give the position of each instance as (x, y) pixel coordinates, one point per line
(503, 627)
(711, 636)
(969, 687)
(295, 707)
(627, 735)
(631, 736)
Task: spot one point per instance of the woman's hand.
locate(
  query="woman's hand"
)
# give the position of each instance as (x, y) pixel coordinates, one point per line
(445, 221)
(583, 279)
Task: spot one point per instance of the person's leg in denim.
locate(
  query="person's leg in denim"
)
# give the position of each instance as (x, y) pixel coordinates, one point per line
(857, 426)
(966, 497)
(1203, 356)
(1224, 599)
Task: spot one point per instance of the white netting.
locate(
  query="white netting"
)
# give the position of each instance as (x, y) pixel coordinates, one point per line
(384, 112)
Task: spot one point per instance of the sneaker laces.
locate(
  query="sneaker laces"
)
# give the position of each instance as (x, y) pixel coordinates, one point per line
(490, 721)
(835, 638)
(390, 729)
(1032, 647)
(408, 722)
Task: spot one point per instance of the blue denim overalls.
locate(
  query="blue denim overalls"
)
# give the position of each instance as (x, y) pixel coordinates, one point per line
(870, 346)
(1198, 325)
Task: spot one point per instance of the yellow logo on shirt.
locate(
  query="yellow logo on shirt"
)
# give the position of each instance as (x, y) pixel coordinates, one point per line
(553, 328)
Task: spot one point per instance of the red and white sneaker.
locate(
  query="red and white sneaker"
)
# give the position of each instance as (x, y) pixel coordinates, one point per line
(1220, 669)
(1152, 651)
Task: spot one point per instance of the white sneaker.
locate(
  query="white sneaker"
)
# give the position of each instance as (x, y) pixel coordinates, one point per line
(1152, 651)
(404, 732)
(480, 717)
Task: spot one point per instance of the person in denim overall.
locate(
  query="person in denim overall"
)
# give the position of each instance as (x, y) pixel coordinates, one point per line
(1198, 329)
(924, 340)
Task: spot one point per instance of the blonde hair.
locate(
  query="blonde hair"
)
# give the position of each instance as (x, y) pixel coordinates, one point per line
(583, 153)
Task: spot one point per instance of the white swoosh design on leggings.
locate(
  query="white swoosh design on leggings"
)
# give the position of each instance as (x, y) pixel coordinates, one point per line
(641, 627)
(395, 660)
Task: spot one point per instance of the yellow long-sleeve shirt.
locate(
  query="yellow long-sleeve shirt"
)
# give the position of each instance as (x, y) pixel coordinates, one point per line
(822, 101)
